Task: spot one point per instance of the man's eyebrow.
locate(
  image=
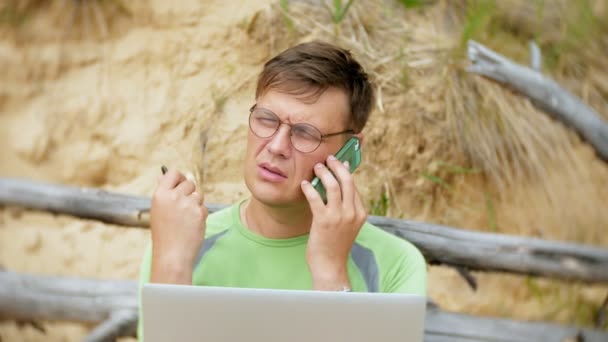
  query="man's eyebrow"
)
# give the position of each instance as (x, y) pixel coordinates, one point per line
(268, 110)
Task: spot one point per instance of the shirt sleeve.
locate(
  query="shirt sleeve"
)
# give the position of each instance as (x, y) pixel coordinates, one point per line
(408, 274)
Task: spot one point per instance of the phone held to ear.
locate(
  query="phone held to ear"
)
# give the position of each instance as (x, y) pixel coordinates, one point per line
(351, 151)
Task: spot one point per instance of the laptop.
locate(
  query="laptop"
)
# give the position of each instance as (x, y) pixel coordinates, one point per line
(226, 314)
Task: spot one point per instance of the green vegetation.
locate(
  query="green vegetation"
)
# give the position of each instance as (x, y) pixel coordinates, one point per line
(339, 10)
(491, 213)
(412, 3)
(478, 20)
(437, 180)
(443, 171)
(562, 29)
(284, 4)
(380, 206)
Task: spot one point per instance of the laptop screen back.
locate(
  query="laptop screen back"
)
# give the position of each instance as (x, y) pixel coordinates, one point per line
(218, 314)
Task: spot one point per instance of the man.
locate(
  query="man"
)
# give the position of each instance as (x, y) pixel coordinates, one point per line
(310, 100)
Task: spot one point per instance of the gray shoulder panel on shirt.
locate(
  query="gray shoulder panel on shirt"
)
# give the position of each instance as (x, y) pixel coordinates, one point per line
(363, 257)
(366, 262)
(207, 245)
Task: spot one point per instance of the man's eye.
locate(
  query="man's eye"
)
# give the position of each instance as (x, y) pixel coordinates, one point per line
(266, 121)
(304, 133)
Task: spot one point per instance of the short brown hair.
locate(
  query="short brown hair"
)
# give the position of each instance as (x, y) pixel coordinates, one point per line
(314, 67)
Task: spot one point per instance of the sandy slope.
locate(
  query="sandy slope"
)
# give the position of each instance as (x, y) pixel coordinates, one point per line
(173, 87)
(113, 115)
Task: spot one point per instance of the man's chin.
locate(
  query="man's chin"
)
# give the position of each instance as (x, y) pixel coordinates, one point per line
(280, 201)
(276, 198)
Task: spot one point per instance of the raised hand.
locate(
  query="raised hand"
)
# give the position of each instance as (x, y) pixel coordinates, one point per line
(335, 225)
(178, 221)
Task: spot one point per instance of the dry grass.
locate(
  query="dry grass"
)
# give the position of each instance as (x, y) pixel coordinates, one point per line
(66, 19)
(500, 132)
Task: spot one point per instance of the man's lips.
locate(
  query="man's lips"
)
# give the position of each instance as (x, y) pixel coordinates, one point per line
(272, 169)
(271, 173)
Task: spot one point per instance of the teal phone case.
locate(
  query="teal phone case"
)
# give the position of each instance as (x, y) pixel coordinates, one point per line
(351, 151)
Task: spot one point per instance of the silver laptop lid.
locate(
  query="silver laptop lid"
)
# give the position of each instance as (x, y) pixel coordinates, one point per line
(222, 314)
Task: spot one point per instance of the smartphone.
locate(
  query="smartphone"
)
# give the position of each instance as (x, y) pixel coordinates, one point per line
(351, 151)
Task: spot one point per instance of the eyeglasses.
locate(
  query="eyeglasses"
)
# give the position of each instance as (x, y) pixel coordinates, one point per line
(304, 137)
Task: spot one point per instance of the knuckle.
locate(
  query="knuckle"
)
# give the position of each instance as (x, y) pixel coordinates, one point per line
(347, 177)
(192, 204)
(183, 205)
(332, 185)
(349, 216)
(333, 219)
(172, 196)
(175, 173)
(184, 184)
(362, 216)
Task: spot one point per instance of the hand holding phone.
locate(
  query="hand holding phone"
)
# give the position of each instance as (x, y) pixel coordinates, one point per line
(338, 215)
(351, 152)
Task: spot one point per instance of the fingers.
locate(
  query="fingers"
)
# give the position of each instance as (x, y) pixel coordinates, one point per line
(204, 212)
(340, 189)
(332, 187)
(312, 196)
(171, 179)
(198, 198)
(359, 208)
(186, 187)
(344, 178)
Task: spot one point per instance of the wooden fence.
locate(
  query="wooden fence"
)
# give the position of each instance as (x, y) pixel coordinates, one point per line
(113, 304)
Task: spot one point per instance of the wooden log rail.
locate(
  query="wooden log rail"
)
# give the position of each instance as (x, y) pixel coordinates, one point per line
(114, 304)
(440, 244)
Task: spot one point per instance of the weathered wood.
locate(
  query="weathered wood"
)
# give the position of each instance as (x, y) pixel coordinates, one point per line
(544, 93)
(98, 204)
(440, 244)
(449, 326)
(81, 202)
(24, 296)
(536, 60)
(121, 323)
(500, 252)
(467, 276)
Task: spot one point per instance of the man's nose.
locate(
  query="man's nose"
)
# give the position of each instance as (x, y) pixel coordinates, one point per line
(280, 143)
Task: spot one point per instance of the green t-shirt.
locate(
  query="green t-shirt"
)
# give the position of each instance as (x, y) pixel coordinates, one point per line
(234, 256)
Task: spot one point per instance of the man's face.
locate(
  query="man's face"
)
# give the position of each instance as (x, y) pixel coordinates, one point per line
(274, 169)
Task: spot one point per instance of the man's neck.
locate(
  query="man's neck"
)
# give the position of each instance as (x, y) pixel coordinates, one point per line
(276, 223)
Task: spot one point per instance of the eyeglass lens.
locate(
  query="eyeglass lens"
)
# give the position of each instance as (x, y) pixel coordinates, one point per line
(304, 137)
